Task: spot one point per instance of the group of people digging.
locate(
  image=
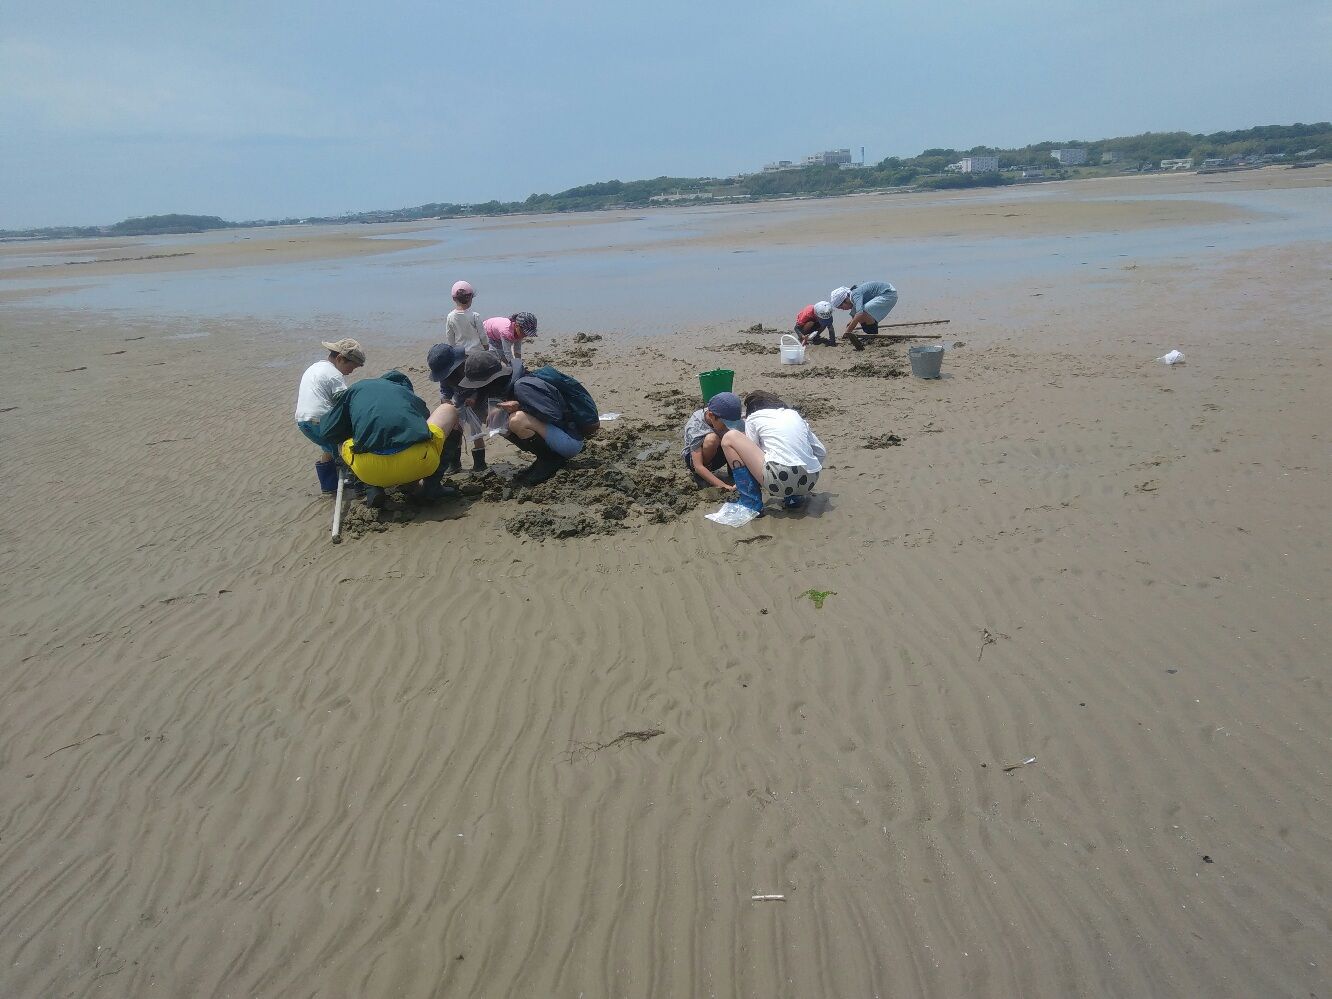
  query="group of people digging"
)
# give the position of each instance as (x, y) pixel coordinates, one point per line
(869, 304)
(384, 435)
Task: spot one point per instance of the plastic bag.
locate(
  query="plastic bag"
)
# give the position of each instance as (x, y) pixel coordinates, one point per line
(1174, 357)
(608, 417)
(497, 419)
(472, 428)
(732, 515)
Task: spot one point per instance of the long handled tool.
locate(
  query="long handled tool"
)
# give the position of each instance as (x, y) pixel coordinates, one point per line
(336, 537)
(923, 322)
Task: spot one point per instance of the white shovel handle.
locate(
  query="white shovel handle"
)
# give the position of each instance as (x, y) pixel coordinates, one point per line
(337, 511)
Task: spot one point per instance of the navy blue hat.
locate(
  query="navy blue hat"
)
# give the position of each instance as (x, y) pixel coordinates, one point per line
(444, 360)
(726, 407)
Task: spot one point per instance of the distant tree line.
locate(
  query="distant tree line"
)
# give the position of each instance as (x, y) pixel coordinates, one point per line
(1309, 142)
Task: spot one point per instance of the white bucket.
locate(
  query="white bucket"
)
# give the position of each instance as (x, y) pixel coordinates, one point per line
(792, 352)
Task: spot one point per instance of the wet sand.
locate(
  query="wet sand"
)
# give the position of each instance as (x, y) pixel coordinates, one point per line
(238, 760)
(96, 258)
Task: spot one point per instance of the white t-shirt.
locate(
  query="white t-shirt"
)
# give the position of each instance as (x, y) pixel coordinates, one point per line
(463, 329)
(785, 438)
(320, 383)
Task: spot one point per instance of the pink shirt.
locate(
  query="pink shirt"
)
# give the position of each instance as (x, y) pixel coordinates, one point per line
(501, 328)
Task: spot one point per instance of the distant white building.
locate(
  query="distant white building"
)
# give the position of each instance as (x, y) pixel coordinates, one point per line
(978, 164)
(1069, 157)
(1181, 164)
(779, 165)
(831, 157)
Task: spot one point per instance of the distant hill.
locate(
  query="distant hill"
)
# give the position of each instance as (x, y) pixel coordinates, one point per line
(156, 225)
(1298, 143)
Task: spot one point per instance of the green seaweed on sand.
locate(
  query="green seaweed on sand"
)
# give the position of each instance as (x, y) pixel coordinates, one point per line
(818, 596)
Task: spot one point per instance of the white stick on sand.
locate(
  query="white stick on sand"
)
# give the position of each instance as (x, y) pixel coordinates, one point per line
(767, 898)
(337, 512)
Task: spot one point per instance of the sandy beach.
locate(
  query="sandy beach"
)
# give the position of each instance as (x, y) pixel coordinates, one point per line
(238, 760)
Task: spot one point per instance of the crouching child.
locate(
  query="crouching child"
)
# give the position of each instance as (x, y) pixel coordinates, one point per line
(703, 432)
(777, 448)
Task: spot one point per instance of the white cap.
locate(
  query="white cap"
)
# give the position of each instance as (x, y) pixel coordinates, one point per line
(839, 296)
(823, 310)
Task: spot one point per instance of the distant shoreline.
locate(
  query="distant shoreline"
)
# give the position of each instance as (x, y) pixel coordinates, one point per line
(932, 170)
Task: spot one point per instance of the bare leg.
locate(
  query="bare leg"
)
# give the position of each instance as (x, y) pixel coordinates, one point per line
(740, 450)
(708, 451)
(445, 417)
(524, 426)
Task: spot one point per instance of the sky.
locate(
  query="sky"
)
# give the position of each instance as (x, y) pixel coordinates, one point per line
(252, 109)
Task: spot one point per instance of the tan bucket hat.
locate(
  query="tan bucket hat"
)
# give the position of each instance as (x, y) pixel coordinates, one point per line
(347, 347)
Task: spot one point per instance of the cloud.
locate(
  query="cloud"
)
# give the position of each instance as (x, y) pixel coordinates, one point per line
(115, 91)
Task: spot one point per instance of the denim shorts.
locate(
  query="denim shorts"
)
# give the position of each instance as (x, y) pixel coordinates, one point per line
(311, 430)
(881, 306)
(563, 443)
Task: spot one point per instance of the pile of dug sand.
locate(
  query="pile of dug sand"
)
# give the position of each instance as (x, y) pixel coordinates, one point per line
(627, 476)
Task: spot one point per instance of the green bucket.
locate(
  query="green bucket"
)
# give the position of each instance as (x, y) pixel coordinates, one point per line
(712, 382)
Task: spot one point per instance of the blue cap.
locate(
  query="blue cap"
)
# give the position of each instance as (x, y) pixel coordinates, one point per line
(443, 360)
(725, 406)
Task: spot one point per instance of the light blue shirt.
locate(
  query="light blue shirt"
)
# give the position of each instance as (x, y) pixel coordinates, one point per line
(863, 293)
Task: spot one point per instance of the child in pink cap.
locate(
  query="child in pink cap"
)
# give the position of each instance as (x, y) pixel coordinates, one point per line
(463, 327)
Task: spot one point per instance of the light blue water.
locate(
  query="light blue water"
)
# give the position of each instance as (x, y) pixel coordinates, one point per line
(616, 275)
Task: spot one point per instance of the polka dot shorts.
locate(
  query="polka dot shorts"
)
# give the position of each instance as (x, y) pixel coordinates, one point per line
(781, 481)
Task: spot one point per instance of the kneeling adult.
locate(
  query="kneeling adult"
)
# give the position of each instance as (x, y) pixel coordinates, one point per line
(550, 413)
(385, 434)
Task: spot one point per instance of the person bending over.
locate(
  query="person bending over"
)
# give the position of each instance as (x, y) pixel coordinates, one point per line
(702, 451)
(446, 369)
(387, 436)
(320, 384)
(506, 336)
(813, 321)
(550, 414)
(869, 304)
(777, 448)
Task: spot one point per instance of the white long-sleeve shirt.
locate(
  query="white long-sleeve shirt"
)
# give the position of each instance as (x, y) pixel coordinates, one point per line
(785, 438)
(463, 329)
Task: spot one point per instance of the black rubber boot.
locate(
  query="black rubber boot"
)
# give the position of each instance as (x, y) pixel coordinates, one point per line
(478, 459)
(547, 461)
(855, 341)
(433, 488)
(450, 459)
(375, 497)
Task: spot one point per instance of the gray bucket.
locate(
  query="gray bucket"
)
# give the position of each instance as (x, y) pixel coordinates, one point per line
(926, 361)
